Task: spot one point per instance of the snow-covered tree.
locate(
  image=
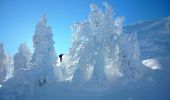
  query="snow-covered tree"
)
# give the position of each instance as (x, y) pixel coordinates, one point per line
(110, 46)
(90, 51)
(81, 53)
(22, 58)
(127, 52)
(3, 70)
(6, 68)
(130, 63)
(44, 56)
(44, 44)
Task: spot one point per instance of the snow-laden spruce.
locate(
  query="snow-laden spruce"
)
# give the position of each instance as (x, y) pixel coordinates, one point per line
(6, 68)
(44, 56)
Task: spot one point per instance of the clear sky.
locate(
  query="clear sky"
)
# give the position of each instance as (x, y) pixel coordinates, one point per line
(18, 18)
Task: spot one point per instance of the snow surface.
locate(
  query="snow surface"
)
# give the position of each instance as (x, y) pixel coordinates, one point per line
(107, 61)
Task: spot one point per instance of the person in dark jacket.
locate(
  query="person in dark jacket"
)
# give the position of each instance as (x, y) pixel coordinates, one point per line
(61, 57)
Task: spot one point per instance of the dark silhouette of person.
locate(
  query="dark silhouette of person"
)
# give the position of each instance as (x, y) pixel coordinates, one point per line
(61, 57)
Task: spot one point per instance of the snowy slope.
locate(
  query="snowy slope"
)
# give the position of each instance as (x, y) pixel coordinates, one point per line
(153, 36)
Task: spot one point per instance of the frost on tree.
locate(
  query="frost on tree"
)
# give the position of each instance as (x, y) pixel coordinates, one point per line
(129, 61)
(22, 58)
(44, 56)
(6, 69)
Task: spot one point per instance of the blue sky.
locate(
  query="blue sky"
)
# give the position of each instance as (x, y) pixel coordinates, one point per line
(18, 18)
